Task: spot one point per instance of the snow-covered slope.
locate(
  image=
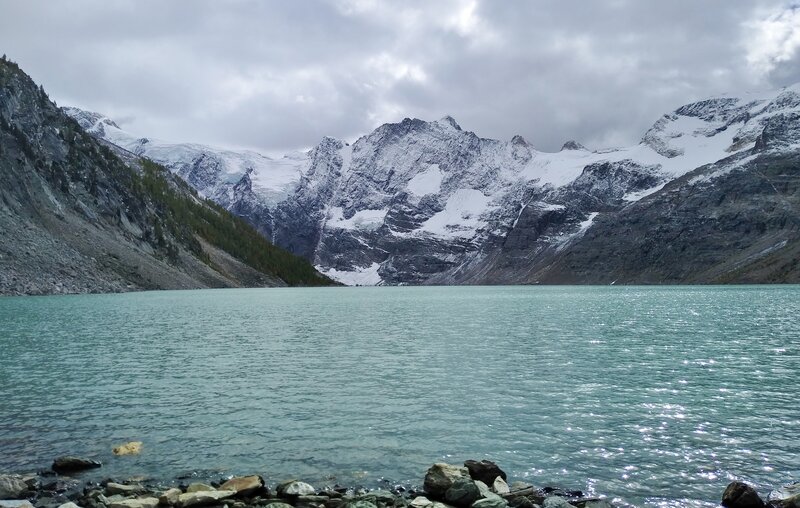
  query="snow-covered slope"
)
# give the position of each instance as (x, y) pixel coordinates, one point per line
(427, 202)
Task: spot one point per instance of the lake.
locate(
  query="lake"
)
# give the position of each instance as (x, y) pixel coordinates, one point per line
(658, 395)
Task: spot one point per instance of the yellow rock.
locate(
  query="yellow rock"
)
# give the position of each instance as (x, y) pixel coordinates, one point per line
(132, 448)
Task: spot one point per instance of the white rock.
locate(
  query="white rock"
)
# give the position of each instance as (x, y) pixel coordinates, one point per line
(500, 486)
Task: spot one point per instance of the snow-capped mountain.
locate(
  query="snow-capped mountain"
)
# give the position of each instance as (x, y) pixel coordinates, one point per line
(428, 202)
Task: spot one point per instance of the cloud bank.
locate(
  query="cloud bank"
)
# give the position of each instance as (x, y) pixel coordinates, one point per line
(277, 75)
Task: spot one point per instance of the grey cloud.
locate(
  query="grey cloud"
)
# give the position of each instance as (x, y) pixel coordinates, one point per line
(278, 75)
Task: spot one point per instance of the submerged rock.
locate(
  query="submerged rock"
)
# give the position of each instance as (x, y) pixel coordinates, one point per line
(441, 477)
(69, 464)
(485, 471)
(741, 495)
(132, 448)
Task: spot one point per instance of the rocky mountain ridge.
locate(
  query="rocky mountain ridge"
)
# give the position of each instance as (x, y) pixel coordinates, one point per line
(419, 202)
(78, 214)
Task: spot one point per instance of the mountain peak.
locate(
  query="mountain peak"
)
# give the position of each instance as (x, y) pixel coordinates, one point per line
(449, 120)
(572, 145)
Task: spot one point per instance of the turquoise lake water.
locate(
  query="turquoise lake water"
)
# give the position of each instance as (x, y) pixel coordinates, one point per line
(659, 396)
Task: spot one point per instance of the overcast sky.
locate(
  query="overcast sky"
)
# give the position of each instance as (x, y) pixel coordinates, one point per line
(278, 75)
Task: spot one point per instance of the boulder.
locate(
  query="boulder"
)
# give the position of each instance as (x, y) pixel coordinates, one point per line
(69, 505)
(203, 497)
(69, 464)
(463, 492)
(12, 486)
(244, 485)
(132, 448)
(199, 487)
(143, 502)
(118, 488)
(293, 488)
(500, 486)
(556, 502)
(485, 471)
(169, 497)
(741, 495)
(493, 502)
(440, 477)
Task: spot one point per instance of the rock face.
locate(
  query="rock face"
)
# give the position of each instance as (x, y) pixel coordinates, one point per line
(419, 202)
(69, 464)
(81, 215)
(741, 495)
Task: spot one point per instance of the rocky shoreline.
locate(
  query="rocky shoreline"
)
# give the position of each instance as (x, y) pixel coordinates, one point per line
(476, 484)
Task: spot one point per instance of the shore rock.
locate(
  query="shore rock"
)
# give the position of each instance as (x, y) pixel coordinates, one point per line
(244, 485)
(118, 488)
(132, 448)
(9, 503)
(278, 504)
(441, 477)
(420, 502)
(463, 492)
(787, 496)
(170, 497)
(741, 495)
(556, 502)
(359, 503)
(144, 502)
(12, 486)
(203, 497)
(292, 488)
(485, 471)
(69, 505)
(69, 464)
(598, 503)
(500, 486)
(493, 502)
(199, 487)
